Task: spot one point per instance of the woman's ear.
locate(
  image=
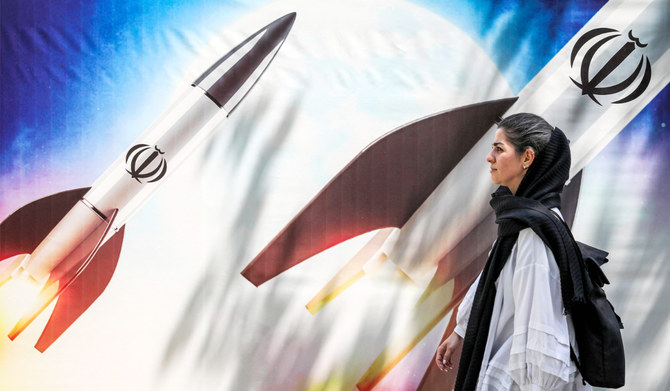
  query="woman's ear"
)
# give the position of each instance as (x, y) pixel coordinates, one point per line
(528, 157)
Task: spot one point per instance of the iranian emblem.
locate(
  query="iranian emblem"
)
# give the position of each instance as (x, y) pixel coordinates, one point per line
(145, 162)
(616, 83)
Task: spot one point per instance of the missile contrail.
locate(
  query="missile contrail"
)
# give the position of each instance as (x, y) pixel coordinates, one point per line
(68, 243)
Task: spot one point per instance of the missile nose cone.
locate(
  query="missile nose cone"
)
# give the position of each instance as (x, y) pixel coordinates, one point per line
(286, 22)
(279, 29)
(229, 80)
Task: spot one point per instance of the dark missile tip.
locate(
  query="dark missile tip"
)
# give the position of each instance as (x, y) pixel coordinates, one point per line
(288, 18)
(284, 23)
(277, 31)
(234, 79)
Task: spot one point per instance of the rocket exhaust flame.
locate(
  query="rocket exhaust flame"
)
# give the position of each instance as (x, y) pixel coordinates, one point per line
(17, 295)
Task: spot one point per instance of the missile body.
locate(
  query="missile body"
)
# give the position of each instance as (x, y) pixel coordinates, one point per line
(100, 214)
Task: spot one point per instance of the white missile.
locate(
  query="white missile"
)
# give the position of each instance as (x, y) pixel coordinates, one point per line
(55, 261)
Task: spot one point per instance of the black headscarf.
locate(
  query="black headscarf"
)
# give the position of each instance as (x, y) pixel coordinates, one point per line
(539, 190)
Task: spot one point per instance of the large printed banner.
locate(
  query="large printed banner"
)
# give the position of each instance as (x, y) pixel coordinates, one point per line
(293, 195)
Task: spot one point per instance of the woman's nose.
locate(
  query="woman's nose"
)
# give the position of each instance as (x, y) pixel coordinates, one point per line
(489, 157)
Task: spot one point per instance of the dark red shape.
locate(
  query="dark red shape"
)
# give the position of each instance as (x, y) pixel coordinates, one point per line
(23, 230)
(83, 291)
(381, 187)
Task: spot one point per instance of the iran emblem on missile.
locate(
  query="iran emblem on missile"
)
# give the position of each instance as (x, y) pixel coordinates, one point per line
(620, 76)
(142, 162)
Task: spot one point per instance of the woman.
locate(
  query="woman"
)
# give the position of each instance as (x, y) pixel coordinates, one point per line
(514, 323)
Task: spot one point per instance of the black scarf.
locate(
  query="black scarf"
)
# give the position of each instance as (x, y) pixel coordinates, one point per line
(539, 190)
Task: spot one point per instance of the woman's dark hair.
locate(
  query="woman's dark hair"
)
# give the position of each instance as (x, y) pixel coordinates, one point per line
(525, 130)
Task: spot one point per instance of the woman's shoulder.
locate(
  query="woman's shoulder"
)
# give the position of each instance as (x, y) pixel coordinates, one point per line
(531, 250)
(528, 237)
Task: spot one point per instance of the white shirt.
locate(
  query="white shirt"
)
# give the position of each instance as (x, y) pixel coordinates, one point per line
(528, 345)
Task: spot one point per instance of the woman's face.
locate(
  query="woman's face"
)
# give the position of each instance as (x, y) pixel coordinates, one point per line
(506, 164)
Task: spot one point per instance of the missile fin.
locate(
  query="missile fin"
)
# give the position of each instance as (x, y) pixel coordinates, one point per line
(570, 198)
(381, 187)
(83, 291)
(23, 230)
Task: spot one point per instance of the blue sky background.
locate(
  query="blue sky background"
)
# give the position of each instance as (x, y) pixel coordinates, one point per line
(69, 69)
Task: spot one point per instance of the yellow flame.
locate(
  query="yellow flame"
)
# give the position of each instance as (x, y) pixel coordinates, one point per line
(17, 296)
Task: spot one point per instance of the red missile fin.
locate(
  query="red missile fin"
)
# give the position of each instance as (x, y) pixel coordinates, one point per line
(381, 187)
(23, 230)
(83, 291)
